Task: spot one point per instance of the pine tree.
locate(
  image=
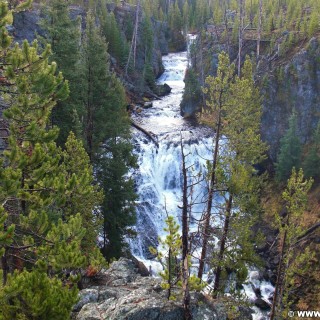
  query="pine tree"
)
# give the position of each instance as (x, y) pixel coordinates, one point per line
(291, 264)
(39, 235)
(311, 163)
(107, 137)
(236, 175)
(33, 295)
(32, 188)
(290, 151)
(82, 195)
(171, 244)
(64, 36)
(217, 91)
(117, 45)
(96, 79)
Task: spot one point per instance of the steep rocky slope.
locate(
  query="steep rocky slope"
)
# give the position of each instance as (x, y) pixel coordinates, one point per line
(288, 82)
(123, 294)
(27, 26)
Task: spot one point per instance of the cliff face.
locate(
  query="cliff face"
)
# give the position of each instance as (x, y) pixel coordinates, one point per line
(287, 83)
(291, 84)
(27, 25)
(126, 14)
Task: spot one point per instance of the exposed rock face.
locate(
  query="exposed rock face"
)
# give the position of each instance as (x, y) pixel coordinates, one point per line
(292, 86)
(126, 14)
(287, 83)
(128, 296)
(27, 25)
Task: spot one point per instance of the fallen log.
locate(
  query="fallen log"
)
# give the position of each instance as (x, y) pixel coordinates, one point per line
(147, 133)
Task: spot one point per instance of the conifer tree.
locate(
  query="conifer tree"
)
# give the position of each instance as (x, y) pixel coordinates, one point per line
(290, 151)
(39, 235)
(64, 36)
(32, 188)
(291, 264)
(311, 163)
(236, 175)
(96, 79)
(108, 140)
(83, 196)
(171, 244)
(234, 110)
(217, 90)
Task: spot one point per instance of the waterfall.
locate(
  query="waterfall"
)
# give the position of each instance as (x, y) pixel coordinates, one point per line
(159, 180)
(159, 177)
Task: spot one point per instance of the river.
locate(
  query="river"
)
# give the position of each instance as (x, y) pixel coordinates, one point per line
(159, 178)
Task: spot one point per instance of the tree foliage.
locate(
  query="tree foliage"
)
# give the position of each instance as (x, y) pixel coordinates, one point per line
(43, 208)
(290, 151)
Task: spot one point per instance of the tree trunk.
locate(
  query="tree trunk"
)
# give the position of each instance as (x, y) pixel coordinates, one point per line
(185, 242)
(222, 246)
(89, 123)
(210, 199)
(133, 47)
(169, 274)
(279, 283)
(259, 28)
(240, 35)
(202, 72)
(4, 265)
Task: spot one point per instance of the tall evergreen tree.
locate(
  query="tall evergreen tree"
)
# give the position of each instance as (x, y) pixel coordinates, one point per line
(115, 160)
(311, 163)
(291, 265)
(107, 137)
(42, 237)
(234, 110)
(64, 36)
(290, 151)
(95, 81)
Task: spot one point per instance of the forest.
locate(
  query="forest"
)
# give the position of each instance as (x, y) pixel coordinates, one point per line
(77, 80)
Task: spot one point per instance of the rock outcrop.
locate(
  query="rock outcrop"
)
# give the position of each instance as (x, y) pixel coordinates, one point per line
(290, 82)
(27, 25)
(126, 295)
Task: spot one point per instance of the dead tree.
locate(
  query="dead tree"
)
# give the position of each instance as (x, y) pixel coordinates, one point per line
(207, 217)
(241, 22)
(223, 245)
(133, 48)
(259, 29)
(185, 241)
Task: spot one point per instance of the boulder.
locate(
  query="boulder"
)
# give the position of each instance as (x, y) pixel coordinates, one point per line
(262, 304)
(162, 90)
(86, 296)
(148, 105)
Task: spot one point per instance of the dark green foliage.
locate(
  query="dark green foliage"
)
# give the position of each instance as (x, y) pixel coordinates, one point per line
(311, 163)
(33, 295)
(117, 44)
(114, 161)
(290, 151)
(64, 36)
(43, 207)
(96, 83)
(107, 139)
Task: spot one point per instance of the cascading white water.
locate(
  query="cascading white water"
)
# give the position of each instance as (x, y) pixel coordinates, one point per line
(159, 179)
